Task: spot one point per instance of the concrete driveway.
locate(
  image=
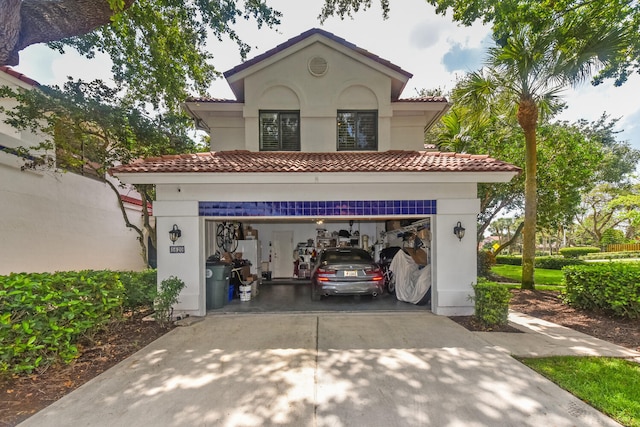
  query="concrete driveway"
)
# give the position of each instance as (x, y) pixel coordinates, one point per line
(359, 369)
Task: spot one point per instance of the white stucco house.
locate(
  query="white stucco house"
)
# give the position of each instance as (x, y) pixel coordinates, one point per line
(56, 221)
(319, 133)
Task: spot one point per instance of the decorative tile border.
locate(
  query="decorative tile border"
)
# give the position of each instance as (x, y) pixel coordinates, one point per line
(319, 208)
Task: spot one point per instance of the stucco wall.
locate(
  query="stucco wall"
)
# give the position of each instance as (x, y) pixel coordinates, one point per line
(55, 222)
(52, 221)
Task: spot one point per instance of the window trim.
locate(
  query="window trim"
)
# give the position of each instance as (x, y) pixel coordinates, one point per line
(278, 112)
(357, 112)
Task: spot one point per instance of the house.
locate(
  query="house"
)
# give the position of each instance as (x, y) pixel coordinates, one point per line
(55, 221)
(318, 140)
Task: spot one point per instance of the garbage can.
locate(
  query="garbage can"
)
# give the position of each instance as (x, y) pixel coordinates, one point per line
(217, 287)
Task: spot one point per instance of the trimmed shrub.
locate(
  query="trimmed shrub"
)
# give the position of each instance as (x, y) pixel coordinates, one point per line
(491, 303)
(578, 251)
(140, 289)
(549, 262)
(611, 287)
(612, 255)
(486, 260)
(555, 262)
(45, 314)
(509, 259)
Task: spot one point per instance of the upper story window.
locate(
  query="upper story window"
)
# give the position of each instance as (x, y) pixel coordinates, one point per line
(279, 131)
(357, 130)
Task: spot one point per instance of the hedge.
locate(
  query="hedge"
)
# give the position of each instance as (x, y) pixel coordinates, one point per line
(612, 255)
(548, 262)
(491, 303)
(578, 251)
(611, 287)
(45, 315)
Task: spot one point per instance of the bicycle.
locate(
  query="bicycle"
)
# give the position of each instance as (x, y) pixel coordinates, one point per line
(227, 236)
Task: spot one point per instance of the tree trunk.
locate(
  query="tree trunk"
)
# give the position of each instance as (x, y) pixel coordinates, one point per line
(26, 22)
(528, 120)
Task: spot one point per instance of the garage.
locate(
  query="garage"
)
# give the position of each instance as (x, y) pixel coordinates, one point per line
(283, 207)
(318, 143)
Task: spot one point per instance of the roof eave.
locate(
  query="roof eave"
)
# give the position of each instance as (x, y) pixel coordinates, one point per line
(226, 178)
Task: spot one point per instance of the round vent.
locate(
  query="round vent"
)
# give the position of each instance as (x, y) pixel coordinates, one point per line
(318, 66)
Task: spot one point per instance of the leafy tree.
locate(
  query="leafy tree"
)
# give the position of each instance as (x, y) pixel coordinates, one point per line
(606, 207)
(532, 67)
(158, 47)
(91, 129)
(505, 16)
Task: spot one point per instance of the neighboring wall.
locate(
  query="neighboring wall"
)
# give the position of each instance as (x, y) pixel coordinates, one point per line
(53, 221)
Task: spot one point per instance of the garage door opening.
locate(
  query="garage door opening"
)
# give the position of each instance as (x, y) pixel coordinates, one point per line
(278, 259)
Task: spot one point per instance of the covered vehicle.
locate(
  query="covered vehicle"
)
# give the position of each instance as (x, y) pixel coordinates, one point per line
(346, 271)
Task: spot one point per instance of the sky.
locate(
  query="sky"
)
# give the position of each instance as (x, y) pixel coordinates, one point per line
(431, 47)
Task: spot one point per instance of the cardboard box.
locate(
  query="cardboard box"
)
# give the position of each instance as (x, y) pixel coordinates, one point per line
(246, 272)
(226, 258)
(418, 255)
(250, 233)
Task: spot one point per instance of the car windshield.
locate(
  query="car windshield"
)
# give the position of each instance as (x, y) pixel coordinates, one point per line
(334, 257)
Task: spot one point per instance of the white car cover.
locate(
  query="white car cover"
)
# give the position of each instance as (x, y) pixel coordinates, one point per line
(412, 282)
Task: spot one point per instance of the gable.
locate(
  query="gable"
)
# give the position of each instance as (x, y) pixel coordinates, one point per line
(314, 64)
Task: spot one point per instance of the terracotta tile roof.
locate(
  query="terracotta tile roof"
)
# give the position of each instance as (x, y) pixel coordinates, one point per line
(241, 161)
(211, 100)
(230, 101)
(305, 35)
(18, 75)
(424, 99)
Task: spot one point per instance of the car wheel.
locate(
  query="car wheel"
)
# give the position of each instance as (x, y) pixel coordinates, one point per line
(315, 296)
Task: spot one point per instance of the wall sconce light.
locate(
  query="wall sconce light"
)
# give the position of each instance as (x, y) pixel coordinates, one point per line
(458, 230)
(174, 233)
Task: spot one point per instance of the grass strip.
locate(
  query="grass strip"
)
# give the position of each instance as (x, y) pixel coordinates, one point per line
(610, 385)
(542, 276)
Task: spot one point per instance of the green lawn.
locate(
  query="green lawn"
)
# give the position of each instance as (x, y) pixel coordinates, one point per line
(610, 385)
(542, 276)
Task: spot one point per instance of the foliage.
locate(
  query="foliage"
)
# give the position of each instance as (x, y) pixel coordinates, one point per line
(612, 255)
(491, 303)
(555, 262)
(166, 298)
(45, 314)
(612, 236)
(509, 259)
(608, 384)
(577, 252)
(486, 260)
(140, 289)
(612, 287)
(160, 49)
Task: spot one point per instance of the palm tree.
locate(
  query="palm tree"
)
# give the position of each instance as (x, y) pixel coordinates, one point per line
(531, 67)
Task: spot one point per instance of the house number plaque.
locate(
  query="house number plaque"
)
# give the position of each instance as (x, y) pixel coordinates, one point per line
(176, 249)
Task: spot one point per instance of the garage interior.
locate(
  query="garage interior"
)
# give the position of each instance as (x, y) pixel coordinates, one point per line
(277, 258)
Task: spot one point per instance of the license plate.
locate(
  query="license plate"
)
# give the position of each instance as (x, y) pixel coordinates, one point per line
(350, 273)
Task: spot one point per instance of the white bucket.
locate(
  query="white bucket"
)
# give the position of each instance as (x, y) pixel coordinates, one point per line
(245, 292)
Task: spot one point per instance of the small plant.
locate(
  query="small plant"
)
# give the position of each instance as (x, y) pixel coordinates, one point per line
(486, 260)
(491, 303)
(167, 296)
